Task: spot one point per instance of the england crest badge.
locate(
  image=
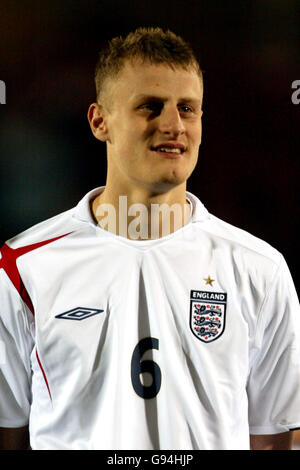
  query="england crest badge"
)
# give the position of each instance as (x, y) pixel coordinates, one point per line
(207, 314)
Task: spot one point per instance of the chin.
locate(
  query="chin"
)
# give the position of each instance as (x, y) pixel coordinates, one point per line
(166, 184)
(175, 177)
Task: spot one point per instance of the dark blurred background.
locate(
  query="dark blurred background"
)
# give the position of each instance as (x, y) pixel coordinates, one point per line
(248, 170)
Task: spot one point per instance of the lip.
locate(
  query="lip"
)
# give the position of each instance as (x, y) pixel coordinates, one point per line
(171, 145)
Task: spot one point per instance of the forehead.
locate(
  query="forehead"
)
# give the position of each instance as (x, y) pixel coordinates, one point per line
(158, 80)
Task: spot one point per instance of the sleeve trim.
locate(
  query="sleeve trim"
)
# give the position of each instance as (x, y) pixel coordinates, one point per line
(5, 423)
(273, 429)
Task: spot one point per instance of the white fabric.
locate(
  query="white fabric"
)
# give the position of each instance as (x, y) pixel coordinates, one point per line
(75, 380)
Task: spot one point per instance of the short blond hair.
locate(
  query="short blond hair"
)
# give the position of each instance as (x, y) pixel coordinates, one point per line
(151, 45)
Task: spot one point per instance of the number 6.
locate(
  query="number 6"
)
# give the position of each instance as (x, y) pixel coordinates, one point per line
(138, 367)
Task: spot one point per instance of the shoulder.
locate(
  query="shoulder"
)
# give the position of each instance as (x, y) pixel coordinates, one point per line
(52, 228)
(17, 249)
(230, 238)
(74, 220)
(239, 252)
(243, 241)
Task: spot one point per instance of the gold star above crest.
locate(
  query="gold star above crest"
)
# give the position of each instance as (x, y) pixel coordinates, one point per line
(209, 281)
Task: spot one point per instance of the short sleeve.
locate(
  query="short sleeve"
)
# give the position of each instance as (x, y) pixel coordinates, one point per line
(274, 380)
(16, 344)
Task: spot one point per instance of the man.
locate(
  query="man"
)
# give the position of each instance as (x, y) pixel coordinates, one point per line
(130, 327)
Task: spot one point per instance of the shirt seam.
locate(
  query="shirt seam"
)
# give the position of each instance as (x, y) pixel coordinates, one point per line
(266, 298)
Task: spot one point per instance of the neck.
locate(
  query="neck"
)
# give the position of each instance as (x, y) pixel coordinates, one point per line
(141, 213)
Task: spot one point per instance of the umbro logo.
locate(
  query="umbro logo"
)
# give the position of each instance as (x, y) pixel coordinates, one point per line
(79, 313)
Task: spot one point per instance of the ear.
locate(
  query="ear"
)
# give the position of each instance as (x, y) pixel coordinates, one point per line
(97, 121)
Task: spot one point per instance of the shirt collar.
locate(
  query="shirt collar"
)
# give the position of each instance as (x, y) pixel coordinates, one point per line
(83, 210)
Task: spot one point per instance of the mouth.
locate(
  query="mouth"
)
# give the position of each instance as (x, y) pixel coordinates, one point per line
(169, 150)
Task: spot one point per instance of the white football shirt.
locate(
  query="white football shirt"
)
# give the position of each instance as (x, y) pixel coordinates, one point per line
(190, 341)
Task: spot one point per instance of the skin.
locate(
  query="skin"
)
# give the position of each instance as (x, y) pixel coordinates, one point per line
(130, 125)
(14, 438)
(282, 441)
(18, 439)
(145, 106)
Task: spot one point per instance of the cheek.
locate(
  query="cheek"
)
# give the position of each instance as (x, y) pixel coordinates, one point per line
(131, 144)
(127, 150)
(197, 135)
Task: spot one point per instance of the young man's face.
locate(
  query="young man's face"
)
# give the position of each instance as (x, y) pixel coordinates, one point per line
(153, 126)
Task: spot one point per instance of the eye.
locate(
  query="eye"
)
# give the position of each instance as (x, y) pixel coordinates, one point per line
(153, 107)
(185, 109)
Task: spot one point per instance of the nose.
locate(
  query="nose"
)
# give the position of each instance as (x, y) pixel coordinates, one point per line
(170, 121)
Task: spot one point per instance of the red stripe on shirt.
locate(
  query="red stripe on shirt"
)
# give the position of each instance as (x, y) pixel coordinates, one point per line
(43, 372)
(8, 262)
